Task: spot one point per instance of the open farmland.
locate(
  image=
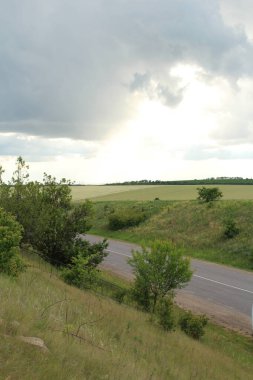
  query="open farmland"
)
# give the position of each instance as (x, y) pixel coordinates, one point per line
(96, 191)
(150, 192)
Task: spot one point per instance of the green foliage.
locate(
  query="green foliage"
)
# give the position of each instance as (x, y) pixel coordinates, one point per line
(82, 271)
(193, 325)
(209, 194)
(50, 221)
(79, 274)
(230, 229)
(165, 315)
(126, 218)
(198, 230)
(10, 237)
(120, 294)
(158, 271)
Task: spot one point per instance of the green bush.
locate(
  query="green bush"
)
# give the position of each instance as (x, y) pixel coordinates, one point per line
(230, 230)
(140, 295)
(82, 272)
(209, 194)
(165, 315)
(193, 325)
(119, 295)
(79, 274)
(126, 218)
(10, 237)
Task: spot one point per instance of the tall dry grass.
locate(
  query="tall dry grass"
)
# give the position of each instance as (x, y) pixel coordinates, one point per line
(92, 337)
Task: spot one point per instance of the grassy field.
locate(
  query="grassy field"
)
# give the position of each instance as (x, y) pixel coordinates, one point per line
(117, 342)
(195, 227)
(145, 193)
(93, 191)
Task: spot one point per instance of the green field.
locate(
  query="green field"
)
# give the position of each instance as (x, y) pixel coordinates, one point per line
(117, 341)
(150, 192)
(93, 191)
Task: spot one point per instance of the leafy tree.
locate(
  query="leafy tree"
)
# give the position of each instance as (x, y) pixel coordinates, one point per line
(51, 222)
(10, 237)
(158, 271)
(209, 194)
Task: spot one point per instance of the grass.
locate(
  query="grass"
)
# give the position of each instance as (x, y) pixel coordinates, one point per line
(118, 342)
(150, 192)
(195, 227)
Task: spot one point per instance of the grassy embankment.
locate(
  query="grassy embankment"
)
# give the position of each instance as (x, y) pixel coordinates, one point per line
(117, 342)
(177, 216)
(196, 228)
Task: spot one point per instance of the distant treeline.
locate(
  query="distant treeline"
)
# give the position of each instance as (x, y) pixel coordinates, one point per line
(207, 181)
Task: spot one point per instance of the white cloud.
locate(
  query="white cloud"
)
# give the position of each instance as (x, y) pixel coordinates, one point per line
(112, 83)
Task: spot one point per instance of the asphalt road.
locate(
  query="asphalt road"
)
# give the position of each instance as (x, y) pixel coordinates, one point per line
(221, 292)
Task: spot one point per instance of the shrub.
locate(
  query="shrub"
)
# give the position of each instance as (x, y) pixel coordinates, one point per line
(209, 194)
(165, 315)
(231, 230)
(10, 237)
(119, 295)
(193, 325)
(79, 274)
(126, 218)
(82, 272)
(140, 294)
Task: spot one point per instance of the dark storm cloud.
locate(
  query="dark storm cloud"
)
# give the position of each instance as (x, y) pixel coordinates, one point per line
(41, 149)
(68, 68)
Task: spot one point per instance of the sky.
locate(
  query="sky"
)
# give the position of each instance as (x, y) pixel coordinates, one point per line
(101, 91)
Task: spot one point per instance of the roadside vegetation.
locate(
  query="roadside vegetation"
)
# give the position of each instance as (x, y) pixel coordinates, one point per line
(90, 336)
(42, 216)
(107, 328)
(221, 233)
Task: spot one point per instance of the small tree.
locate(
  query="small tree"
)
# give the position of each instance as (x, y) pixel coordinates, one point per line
(209, 194)
(10, 236)
(82, 271)
(158, 271)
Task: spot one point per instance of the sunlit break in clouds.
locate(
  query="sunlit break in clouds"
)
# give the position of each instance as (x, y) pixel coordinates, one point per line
(112, 90)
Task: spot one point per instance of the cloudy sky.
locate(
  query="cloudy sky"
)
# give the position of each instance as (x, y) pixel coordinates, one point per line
(112, 90)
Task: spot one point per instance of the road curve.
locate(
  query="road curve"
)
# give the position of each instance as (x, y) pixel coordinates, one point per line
(224, 294)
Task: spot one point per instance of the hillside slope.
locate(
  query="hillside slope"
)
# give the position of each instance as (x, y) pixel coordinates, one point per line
(195, 227)
(91, 337)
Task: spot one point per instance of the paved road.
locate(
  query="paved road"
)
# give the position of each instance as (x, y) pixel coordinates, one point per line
(221, 292)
